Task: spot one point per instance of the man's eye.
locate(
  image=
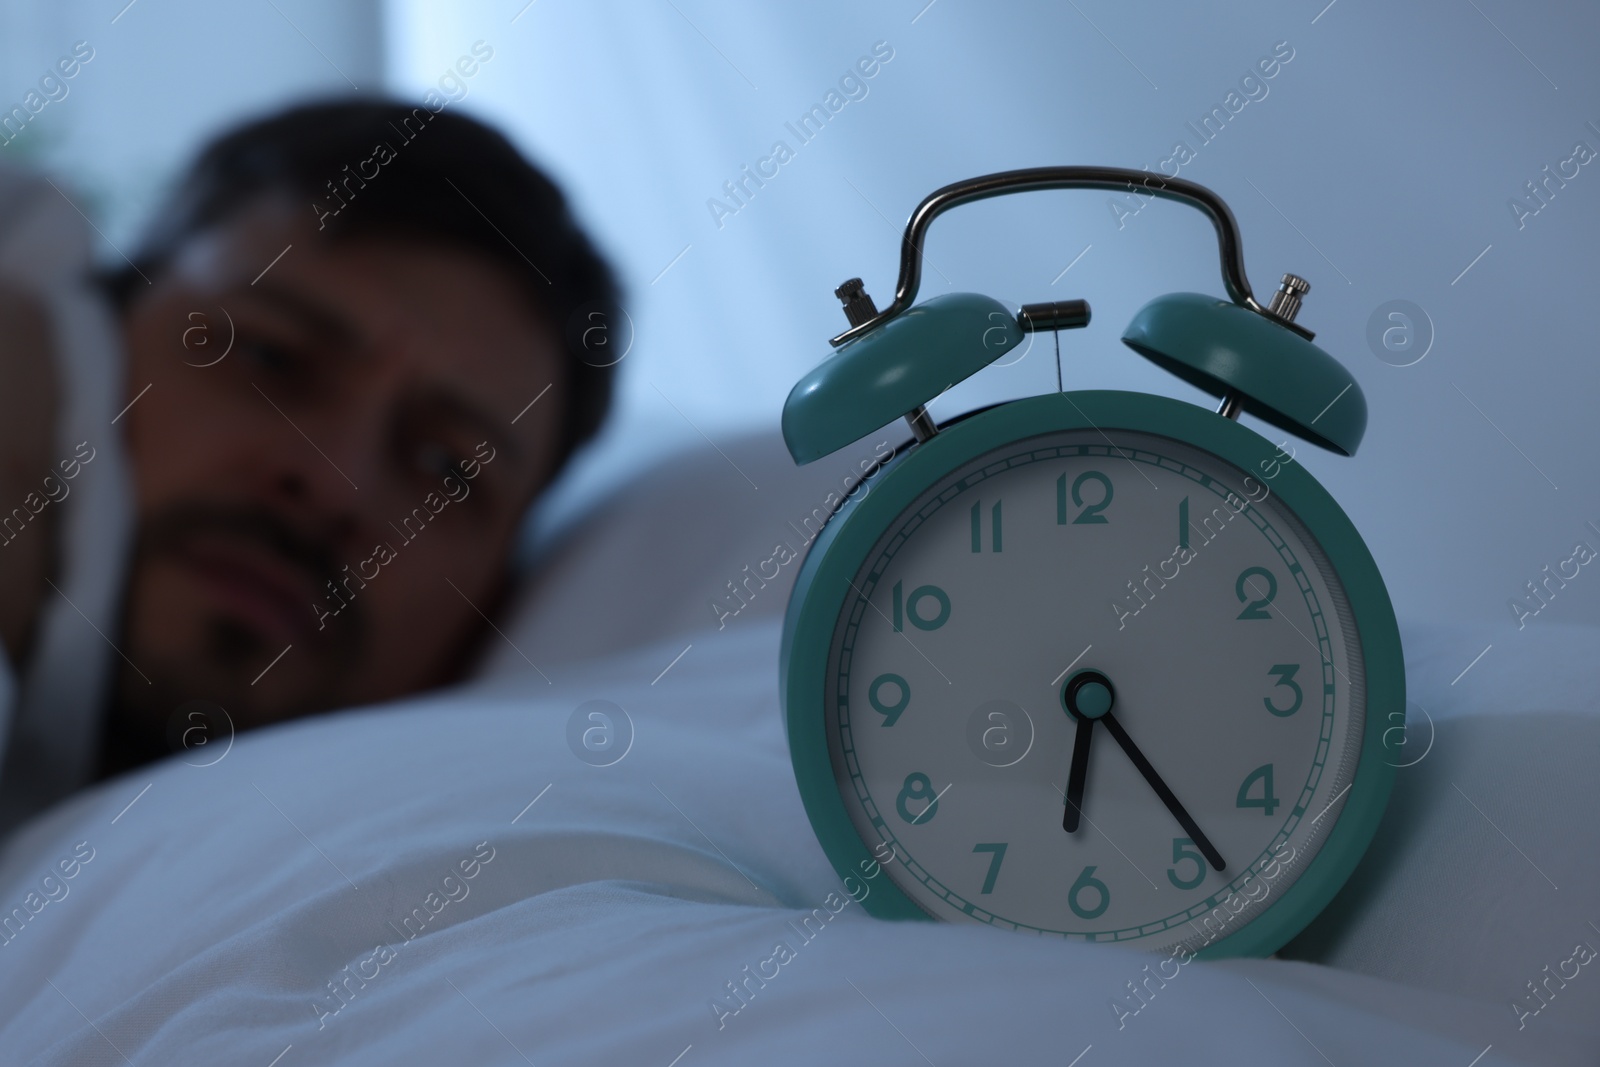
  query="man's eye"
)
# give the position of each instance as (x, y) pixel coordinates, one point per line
(437, 461)
(268, 355)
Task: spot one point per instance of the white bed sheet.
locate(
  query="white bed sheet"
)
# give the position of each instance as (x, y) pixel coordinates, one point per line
(221, 900)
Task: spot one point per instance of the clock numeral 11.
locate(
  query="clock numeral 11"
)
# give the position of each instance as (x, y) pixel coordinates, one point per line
(977, 527)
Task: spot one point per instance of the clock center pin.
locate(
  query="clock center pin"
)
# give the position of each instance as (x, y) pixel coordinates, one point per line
(1088, 695)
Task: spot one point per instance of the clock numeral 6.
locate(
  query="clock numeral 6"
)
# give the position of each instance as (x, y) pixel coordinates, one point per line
(1244, 588)
(997, 852)
(1090, 514)
(908, 606)
(1285, 673)
(1087, 880)
(918, 786)
(1179, 854)
(1266, 801)
(890, 712)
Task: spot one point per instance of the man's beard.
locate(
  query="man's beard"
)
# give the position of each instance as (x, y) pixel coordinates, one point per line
(223, 669)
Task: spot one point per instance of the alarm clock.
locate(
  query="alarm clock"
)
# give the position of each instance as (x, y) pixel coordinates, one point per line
(1093, 665)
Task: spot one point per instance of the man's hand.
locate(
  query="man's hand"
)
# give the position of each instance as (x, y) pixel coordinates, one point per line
(29, 401)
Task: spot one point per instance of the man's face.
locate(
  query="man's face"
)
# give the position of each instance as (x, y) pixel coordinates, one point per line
(343, 484)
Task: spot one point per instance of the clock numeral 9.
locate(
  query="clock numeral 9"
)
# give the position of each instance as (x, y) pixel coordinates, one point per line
(997, 851)
(908, 606)
(1087, 880)
(918, 786)
(1090, 515)
(1266, 801)
(1285, 673)
(1179, 854)
(1244, 588)
(890, 712)
(977, 527)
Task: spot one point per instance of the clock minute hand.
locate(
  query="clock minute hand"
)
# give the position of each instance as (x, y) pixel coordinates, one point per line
(1207, 849)
(1080, 772)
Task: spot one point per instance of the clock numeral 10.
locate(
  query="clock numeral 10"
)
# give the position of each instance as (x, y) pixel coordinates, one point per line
(977, 527)
(909, 606)
(1090, 515)
(1266, 801)
(997, 853)
(1087, 880)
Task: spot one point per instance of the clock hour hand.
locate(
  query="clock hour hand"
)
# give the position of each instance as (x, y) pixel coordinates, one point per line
(1080, 771)
(1207, 849)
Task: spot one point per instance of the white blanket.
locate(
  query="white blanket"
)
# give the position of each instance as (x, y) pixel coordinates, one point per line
(478, 894)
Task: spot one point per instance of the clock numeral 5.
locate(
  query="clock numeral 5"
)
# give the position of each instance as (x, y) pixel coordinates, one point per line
(1285, 673)
(1090, 515)
(1244, 588)
(890, 712)
(908, 606)
(1087, 880)
(1266, 801)
(918, 786)
(1179, 854)
(977, 527)
(997, 851)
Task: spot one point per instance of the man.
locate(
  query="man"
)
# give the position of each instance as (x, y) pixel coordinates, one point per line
(359, 340)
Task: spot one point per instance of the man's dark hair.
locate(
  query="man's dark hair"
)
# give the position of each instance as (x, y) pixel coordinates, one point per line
(447, 178)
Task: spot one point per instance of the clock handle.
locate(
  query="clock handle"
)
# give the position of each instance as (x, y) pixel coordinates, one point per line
(1018, 181)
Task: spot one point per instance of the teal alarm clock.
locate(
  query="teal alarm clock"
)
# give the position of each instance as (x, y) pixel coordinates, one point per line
(1094, 665)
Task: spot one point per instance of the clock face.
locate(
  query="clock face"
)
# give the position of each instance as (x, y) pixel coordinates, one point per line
(1118, 600)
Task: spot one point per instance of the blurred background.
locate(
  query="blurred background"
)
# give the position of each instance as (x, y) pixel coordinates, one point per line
(1384, 159)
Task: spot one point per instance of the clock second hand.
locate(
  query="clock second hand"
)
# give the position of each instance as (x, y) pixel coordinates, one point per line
(1207, 849)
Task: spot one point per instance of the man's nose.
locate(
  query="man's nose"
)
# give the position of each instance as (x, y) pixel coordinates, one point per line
(327, 464)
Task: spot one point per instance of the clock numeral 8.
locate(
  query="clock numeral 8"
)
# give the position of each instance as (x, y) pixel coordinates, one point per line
(1087, 880)
(918, 786)
(1090, 514)
(908, 606)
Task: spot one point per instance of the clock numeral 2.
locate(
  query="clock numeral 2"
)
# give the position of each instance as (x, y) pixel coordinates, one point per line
(890, 712)
(908, 606)
(1090, 514)
(1244, 588)
(1087, 880)
(997, 850)
(1179, 854)
(1266, 801)
(977, 527)
(918, 786)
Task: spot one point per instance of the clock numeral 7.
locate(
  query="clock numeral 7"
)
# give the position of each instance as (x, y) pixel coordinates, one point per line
(997, 850)
(909, 606)
(1090, 515)
(977, 527)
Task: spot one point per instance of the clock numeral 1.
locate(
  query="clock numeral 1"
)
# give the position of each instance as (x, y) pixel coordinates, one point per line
(918, 786)
(977, 527)
(1090, 515)
(1179, 854)
(1285, 673)
(997, 850)
(890, 712)
(1266, 801)
(1244, 588)
(1183, 523)
(909, 606)
(1087, 880)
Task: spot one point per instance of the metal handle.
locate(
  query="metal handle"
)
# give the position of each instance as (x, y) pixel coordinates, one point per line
(1018, 181)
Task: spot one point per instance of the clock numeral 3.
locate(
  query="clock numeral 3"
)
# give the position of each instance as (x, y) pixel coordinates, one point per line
(997, 850)
(1244, 588)
(1087, 880)
(909, 607)
(1285, 673)
(1179, 854)
(977, 527)
(1090, 515)
(918, 786)
(1266, 801)
(890, 712)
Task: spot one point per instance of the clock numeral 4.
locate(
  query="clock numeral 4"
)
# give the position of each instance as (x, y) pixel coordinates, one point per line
(1179, 854)
(914, 607)
(890, 712)
(997, 853)
(1087, 880)
(918, 786)
(1285, 673)
(994, 527)
(1090, 515)
(1255, 582)
(1266, 801)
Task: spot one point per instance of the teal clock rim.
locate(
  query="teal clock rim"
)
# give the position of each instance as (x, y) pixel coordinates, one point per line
(820, 593)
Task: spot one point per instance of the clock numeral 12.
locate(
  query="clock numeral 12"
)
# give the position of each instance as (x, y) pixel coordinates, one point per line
(977, 527)
(904, 606)
(1090, 515)
(997, 850)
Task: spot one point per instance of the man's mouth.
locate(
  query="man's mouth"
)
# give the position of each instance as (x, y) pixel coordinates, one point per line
(253, 584)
